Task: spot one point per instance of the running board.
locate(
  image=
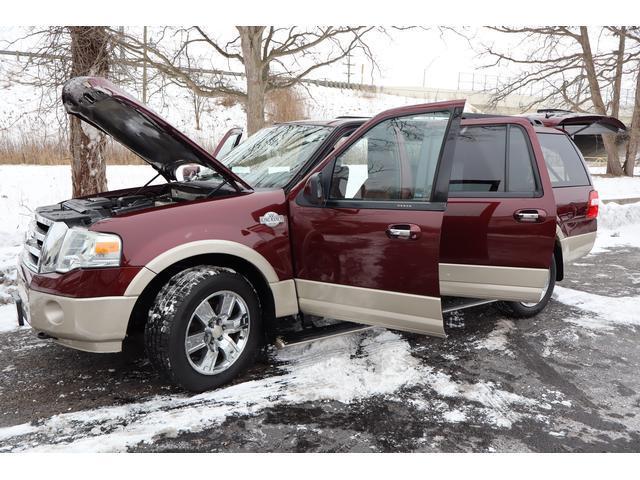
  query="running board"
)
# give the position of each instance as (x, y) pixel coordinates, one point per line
(317, 333)
(453, 304)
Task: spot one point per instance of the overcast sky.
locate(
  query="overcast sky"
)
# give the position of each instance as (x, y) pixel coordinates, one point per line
(433, 56)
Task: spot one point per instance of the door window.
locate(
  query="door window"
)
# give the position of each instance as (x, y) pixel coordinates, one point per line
(395, 160)
(521, 177)
(493, 160)
(479, 161)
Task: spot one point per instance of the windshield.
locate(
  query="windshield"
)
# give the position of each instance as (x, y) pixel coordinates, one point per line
(272, 156)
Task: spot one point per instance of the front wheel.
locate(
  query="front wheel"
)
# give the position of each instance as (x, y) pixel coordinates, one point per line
(526, 309)
(203, 328)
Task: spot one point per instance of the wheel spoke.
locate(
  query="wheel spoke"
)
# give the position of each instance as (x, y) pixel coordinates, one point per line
(205, 313)
(227, 305)
(209, 361)
(195, 342)
(235, 324)
(228, 346)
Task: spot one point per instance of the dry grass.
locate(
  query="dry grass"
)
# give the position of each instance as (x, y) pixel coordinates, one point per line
(285, 105)
(29, 149)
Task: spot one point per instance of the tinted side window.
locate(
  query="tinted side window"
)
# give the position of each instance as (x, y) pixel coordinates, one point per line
(521, 177)
(395, 160)
(563, 161)
(479, 161)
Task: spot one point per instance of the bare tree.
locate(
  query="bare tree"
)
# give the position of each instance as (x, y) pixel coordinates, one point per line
(562, 64)
(56, 54)
(90, 47)
(271, 57)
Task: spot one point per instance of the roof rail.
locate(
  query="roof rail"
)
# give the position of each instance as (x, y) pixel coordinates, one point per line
(553, 110)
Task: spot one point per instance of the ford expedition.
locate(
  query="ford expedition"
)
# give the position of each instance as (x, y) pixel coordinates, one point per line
(379, 221)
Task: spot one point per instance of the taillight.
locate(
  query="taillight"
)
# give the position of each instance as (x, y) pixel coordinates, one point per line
(594, 202)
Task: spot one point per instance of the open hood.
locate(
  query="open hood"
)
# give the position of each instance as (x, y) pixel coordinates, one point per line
(100, 103)
(578, 123)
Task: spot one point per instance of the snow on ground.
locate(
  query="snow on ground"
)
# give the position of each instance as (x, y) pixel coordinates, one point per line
(602, 170)
(603, 312)
(618, 225)
(345, 369)
(610, 188)
(498, 339)
(8, 318)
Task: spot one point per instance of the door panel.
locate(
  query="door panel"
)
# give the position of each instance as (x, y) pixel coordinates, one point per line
(497, 244)
(370, 253)
(230, 141)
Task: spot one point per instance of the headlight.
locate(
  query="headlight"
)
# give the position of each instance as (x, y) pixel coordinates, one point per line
(65, 249)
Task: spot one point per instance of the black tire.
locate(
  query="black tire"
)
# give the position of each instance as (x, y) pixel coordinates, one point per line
(169, 317)
(519, 310)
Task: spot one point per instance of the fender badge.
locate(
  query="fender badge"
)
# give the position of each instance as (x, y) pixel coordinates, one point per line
(271, 219)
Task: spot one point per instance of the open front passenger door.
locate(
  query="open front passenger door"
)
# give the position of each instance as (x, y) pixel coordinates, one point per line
(366, 223)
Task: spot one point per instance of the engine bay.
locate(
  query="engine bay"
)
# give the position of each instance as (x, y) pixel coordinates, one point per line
(88, 210)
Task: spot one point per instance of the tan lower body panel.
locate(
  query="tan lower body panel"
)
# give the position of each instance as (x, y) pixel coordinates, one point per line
(577, 246)
(89, 324)
(285, 298)
(401, 311)
(492, 283)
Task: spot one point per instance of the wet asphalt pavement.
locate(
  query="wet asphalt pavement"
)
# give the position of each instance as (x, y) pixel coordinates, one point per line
(546, 384)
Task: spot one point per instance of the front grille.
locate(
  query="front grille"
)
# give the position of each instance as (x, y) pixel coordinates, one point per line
(36, 234)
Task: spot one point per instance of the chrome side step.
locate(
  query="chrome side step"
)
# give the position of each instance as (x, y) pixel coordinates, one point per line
(318, 333)
(461, 304)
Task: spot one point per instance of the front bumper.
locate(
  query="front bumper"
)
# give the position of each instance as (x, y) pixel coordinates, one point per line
(97, 324)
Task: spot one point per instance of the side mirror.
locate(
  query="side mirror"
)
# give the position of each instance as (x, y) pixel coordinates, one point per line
(313, 189)
(187, 172)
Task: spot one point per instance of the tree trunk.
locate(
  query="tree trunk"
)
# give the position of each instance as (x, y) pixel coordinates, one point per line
(613, 160)
(254, 67)
(634, 135)
(89, 56)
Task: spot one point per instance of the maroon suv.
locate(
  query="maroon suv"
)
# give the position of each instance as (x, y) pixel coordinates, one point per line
(371, 221)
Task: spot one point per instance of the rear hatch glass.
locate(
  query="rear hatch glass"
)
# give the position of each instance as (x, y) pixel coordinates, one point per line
(564, 164)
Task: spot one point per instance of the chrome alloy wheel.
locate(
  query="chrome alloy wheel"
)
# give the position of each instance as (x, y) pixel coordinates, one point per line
(544, 292)
(217, 332)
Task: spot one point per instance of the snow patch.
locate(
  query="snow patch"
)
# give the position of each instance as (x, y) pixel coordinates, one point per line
(606, 311)
(455, 416)
(344, 369)
(9, 318)
(498, 339)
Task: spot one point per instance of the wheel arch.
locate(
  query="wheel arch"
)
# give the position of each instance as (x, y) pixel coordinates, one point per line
(240, 258)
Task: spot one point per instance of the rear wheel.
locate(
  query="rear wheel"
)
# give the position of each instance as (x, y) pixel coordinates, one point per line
(526, 309)
(203, 328)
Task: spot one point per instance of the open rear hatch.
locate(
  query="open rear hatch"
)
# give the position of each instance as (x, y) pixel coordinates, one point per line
(578, 123)
(100, 103)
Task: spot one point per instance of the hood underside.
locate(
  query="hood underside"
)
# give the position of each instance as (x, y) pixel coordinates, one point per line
(98, 102)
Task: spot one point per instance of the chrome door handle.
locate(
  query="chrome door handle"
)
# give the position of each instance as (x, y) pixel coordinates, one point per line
(399, 233)
(529, 216)
(404, 231)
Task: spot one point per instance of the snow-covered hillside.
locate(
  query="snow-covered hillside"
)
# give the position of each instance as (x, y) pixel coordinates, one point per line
(19, 109)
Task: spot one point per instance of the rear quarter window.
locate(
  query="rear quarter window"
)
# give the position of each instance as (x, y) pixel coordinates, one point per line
(563, 161)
